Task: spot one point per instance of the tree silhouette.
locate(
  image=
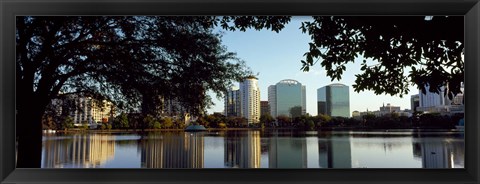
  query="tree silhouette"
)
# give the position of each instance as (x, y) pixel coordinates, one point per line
(430, 49)
(129, 60)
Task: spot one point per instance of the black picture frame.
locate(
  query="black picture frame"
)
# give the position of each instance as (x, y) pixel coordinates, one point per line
(11, 8)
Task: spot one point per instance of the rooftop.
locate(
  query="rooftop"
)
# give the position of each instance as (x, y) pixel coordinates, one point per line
(251, 77)
(289, 81)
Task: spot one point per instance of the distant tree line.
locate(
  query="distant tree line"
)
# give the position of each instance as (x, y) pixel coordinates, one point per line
(304, 122)
(122, 121)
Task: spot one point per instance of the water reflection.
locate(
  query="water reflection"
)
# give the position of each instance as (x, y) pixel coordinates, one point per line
(334, 151)
(287, 152)
(172, 150)
(441, 154)
(78, 151)
(242, 149)
(254, 149)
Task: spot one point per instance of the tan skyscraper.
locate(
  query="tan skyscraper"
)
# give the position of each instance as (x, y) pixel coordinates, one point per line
(250, 99)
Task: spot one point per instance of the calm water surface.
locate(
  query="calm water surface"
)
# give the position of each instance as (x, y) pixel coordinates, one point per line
(255, 149)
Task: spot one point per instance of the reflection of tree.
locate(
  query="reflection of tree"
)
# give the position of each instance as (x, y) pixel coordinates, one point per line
(417, 150)
(242, 149)
(82, 151)
(173, 150)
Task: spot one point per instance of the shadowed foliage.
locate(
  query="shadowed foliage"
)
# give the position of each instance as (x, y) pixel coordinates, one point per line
(406, 50)
(136, 62)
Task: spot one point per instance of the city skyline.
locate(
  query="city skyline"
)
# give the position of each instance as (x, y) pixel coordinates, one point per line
(277, 56)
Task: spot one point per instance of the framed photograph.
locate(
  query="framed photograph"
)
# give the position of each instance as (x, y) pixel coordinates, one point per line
(239, 91)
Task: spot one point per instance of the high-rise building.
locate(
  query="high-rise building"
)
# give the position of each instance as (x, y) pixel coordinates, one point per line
(458, 100)
(288, 98)
(334, 100)
(91, 111)
(172, 107)
(432, 99)
(250, 99)
(440, 102)
(264, 108)
(232, 102)
(84, 110)
(272, 100)
(414, 102)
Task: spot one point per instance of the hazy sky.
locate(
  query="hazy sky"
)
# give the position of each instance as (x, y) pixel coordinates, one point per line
(276, 56)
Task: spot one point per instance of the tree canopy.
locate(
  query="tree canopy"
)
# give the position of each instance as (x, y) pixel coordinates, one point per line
(430, 49)
(407, 50)
(125, 58)
(134, 61)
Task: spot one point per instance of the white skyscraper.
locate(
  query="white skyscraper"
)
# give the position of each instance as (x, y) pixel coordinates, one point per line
(431, 99)
(83, 109)
(440, 102)
(250, 99)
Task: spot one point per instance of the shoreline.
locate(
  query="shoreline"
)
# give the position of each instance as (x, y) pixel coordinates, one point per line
(327, 129)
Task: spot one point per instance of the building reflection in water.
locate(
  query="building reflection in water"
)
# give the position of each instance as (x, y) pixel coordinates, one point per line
(334, 151)
(287, 152)
(242, 149)
(440, 153)
(78, 151)
(172, 150)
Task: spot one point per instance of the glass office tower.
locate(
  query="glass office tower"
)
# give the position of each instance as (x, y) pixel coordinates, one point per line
(287, 98)
(334, 100)
(232, 102)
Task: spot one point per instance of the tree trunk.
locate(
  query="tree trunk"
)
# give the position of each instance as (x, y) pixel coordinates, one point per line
(29, 129)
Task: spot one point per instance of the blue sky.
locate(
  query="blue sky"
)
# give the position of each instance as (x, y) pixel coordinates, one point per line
(276, 56)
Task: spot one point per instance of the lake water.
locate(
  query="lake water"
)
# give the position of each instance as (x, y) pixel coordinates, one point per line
(255, 149)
